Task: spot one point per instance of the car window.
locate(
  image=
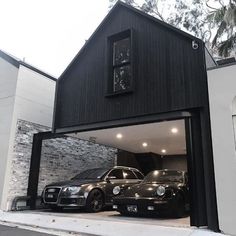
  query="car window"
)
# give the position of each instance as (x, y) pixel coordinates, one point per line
(128, 174)
(96, 173)
(116, 174)
(139, 175)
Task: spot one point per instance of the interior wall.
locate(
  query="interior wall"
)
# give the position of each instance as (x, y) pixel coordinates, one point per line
(222, 93)
(63, 158)
(147, 162)
(175, 162)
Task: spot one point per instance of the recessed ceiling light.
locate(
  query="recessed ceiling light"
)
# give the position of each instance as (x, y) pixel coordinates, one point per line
(163, 150)
(144, 144)
(119, 136)
(174, 130)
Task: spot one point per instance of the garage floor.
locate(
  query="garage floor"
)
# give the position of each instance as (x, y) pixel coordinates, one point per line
(115, 216)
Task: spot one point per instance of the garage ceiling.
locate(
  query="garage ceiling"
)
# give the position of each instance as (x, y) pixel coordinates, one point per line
(157, 136)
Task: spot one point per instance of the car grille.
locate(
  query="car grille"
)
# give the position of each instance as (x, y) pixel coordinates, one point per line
(51, 194)
(71, 201)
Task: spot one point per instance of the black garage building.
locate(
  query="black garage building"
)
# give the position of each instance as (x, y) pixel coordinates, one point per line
(134, 70)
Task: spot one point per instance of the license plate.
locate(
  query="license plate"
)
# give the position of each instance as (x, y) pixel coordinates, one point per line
(50, 196)
(132, 208)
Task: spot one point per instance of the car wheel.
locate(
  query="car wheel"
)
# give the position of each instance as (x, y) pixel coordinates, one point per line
(56, 208)
(179, 208)
(95, 201)
(124, 213)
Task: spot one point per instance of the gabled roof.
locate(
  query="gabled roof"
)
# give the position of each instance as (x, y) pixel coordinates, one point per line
(121, 4)
(17, 62)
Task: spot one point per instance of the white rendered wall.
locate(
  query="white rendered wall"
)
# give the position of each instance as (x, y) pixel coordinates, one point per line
(34, 100)
(8, 78)
(34, 97)
(222, 91)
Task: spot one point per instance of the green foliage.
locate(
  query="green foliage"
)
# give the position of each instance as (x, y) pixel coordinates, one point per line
(200, 18)
(224, 20)
(227, 46)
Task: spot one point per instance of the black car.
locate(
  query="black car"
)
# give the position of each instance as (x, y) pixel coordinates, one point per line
(92, 189)
(161, 192)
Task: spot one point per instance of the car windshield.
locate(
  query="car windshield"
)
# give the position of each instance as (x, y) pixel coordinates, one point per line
(162, 176)
(91, 174)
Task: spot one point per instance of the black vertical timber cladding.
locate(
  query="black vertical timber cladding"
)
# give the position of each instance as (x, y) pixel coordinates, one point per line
(196, 172)
(168, 75)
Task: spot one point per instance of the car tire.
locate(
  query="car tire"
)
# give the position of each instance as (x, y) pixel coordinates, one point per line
(124, 213)
(179, 207)
(95, 201)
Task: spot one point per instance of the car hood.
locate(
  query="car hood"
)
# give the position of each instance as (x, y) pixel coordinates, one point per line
(147, 189)
(73, 182)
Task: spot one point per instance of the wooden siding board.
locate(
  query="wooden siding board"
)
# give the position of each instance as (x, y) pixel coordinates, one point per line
(167, 75)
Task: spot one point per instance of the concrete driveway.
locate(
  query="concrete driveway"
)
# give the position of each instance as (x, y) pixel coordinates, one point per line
(15, 231)
(107, 223)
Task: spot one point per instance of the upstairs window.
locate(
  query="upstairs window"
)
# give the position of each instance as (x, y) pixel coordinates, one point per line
(120, 63)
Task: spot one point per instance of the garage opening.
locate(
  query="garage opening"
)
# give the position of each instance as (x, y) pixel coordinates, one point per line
(146, 147)
(160, 144)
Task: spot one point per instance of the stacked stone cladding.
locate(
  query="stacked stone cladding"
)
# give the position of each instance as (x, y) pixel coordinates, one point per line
(61, 158)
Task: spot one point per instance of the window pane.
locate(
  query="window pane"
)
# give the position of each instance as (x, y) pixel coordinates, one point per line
(139, 175)
(121, 51)
(129, 174)
(122, 78)
(116, 174)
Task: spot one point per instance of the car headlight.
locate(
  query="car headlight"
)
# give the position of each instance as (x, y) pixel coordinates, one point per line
(161, 190)
(116, 190)
(72, 189)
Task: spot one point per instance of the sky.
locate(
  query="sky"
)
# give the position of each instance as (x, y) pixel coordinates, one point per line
(48, 33)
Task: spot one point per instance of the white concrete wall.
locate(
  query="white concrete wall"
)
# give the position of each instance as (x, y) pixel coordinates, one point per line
(34, 100)
(8, 79)
(34, 97)
(222, 91)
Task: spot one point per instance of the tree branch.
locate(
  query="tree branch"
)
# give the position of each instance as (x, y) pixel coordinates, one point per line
(211, 6)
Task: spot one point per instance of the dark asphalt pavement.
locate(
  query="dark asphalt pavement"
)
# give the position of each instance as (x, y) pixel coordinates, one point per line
(14, 231)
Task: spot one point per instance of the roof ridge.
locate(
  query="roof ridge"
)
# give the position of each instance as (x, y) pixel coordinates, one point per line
(17, 62)
(120, 3)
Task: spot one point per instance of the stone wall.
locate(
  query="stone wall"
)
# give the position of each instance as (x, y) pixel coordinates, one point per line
(61, 158)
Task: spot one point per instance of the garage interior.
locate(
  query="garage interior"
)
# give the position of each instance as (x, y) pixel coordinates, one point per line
(147, 147)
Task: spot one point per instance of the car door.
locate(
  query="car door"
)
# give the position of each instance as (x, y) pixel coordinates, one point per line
(130, 178)
(114, 178)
